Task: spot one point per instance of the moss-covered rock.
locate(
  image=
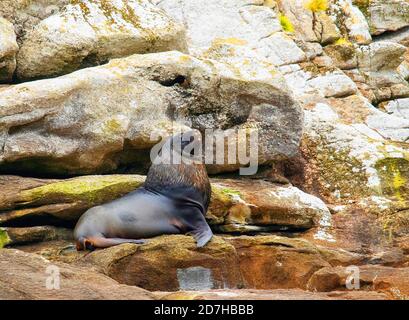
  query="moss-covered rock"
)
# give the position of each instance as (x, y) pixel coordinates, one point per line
(19, 236)
(236, 205)
(51, 201)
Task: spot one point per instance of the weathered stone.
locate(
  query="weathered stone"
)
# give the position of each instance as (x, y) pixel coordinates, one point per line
(236, 205)
(170, 263)
(278, 294)
(380, 56)
(351, 161)
(91, 32)
(314, 80)
(249, 22)
(392, 281)
(24, 276)
(8, 51)
(398, 108)
(95, 119)
(250, 206)
(55, 250)
(342, 55)
(300, 17)
(351, 21)
(311, 25)
(385, 15)
(26, 201)
(275, 262)
(16, 236)
(25, 15)
(174, 262)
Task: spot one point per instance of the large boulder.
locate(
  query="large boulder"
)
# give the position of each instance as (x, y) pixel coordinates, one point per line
(250, 206)
(25, 276)
(249, 22)
(385, 15)
(8, 51)
(95, 119)
(392, 281)
(86, 33)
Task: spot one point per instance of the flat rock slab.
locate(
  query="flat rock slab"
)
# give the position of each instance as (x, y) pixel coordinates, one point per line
(26, 276)
(17, 236)
(279, 294)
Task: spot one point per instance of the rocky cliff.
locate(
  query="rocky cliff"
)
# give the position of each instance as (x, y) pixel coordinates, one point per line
(85, 84)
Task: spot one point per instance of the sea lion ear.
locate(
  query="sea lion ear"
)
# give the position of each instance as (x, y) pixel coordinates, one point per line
(202, 236)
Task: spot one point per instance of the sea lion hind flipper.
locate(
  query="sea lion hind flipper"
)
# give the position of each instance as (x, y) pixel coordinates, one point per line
(101, 242)
(202, 235)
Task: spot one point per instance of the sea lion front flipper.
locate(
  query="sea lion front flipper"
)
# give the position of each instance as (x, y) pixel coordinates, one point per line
(202, 233)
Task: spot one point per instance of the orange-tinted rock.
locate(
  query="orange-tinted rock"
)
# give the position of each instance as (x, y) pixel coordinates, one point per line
(275, 262)
(171, 263)
(24, 276)
(279, 294)
(393, 281)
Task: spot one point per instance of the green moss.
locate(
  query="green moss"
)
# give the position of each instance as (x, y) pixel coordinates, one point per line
(394, 175)
(286, 23)
(92, 189)
(4, 238)
(229, 191)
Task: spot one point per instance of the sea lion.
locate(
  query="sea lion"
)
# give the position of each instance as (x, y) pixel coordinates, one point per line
(173, 200)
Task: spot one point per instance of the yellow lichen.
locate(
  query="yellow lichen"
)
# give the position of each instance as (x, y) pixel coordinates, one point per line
(234, 41)
(317, 5)
(343, 42)
(394, 174)
(286, 23)
(4, 238)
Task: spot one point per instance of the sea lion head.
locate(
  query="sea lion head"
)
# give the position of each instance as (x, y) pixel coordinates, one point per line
(188, 144)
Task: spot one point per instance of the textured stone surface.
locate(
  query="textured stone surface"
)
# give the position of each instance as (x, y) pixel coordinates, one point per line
(236, 206)
(96, 118)
(249, 22)
(17, 236)
(8, 51)
(393, 281)
(385, 15)
(90, 32)
(278, 294)
(26, 201)
(24, 276)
